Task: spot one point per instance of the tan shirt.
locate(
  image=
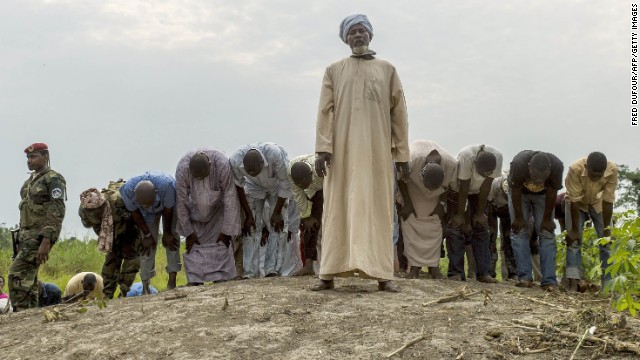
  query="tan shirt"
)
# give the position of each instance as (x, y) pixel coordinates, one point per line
(303, 197)
(581, 189)
(74, 286)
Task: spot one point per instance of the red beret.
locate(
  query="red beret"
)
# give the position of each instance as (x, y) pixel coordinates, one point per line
(36, 147)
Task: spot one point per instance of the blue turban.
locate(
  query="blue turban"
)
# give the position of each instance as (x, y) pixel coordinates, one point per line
(354, 19)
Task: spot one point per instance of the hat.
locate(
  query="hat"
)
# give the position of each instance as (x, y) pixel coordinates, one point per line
(352, 20)
(36, 147)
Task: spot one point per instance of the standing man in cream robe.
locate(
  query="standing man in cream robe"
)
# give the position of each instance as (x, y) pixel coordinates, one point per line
(361, 128)
(433, 174)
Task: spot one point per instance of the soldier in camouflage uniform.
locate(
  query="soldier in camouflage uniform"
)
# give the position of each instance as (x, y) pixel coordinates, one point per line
(41, 213)
(105, 212)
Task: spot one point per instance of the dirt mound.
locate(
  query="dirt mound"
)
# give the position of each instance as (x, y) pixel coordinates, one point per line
(279, 318)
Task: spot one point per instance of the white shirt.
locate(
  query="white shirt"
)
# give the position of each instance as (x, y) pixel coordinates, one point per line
(467, 166)
(273, 179)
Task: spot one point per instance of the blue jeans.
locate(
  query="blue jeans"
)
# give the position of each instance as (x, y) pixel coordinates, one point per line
(456, 240)
(574, 255)
(533, 205)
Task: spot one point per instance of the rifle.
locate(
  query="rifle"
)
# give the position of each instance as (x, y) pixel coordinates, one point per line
(14, 242)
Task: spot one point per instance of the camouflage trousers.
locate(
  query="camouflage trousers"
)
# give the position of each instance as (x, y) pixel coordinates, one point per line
(121, 266)
(23, 276)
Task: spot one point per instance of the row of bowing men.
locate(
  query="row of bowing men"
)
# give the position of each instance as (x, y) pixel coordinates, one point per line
(258, 213)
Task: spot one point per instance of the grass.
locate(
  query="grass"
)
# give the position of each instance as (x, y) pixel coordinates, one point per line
(70, 257)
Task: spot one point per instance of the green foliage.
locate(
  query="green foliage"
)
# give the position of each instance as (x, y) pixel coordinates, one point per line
(591, 264)
(624, 260)
(71, 256)
(628, 188)
(624, 264)
(5, 237)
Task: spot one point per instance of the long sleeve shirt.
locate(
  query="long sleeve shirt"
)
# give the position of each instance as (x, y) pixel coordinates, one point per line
(209, 199)
(581, 189)
(303, 197)
(42, 206)
(273, 180)
(467, 166)
(165, 186)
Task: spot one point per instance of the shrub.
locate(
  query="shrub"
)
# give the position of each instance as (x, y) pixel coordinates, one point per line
(624, 263)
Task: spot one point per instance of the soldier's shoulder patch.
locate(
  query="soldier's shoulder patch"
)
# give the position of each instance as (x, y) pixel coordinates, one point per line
(56, 193)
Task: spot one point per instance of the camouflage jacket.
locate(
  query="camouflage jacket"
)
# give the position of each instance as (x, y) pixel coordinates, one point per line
(42, 206)
(93, 217)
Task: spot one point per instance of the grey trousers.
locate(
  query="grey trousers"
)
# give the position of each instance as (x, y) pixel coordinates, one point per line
(148, 262)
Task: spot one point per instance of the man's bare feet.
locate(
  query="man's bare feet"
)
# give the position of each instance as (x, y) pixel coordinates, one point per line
(414, 273)
(573, 285)
(487, 279)
(435, 273)
(389, 286)
(323, 285)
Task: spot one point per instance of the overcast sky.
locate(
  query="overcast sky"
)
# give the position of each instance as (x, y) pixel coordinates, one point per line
(119, 87)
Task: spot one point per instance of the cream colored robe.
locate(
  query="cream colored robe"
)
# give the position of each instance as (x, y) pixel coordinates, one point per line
(362, 121)
(422, 233)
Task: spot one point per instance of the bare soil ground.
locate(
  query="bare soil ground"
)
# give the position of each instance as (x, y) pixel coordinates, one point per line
(279, 318)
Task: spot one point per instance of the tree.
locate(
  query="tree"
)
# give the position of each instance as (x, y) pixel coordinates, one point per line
(629, 188)
(5, 237)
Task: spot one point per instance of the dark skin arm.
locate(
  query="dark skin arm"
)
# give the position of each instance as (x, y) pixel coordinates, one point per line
(318, 203)
(43, 251)
(139, 220)
(572, 233)
(249, 221)
(314, 222)
(169, 240)
(407, 209)
(76, 297)
(562, 225)
(549, 205)
(403, 171)
(480, 217)
(439, 210)
(607, 213)
(493, 220)
(148, 242)
(191, 240)
(264, 237)
(225, 239)
(518, 223)
(277, 220)
(323, 163)
(458, 218)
